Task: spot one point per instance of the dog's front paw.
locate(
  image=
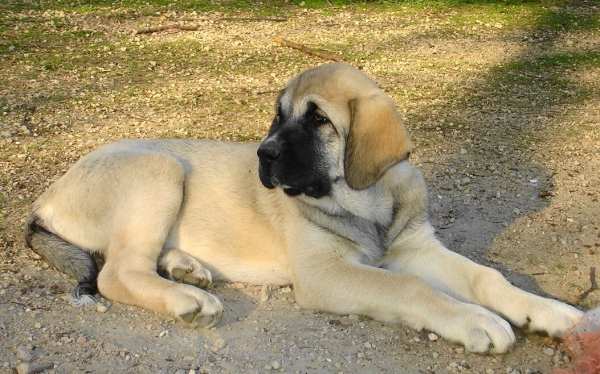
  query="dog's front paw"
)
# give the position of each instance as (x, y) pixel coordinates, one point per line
(199, 308)
(479, 330)
(537, 314)
(180, 267)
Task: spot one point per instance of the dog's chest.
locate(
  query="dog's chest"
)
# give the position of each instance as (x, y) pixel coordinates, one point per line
(369, 237)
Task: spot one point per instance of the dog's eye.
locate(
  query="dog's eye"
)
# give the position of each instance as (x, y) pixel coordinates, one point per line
(320, 119)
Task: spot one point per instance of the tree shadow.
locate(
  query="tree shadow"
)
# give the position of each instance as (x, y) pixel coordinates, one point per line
(522, 100)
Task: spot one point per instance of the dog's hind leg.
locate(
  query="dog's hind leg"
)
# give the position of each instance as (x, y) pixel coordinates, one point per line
(178, 266)
(147, 210)
(67, 258)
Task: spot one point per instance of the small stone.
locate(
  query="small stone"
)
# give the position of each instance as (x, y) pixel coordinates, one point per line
(466, 180)
(433, 337)
(498, 195)
(367, 345)
(37, 325)
(23, 369)
(218, 345)
(460, 350)
(463, 151)
(163, 333)
(33, 368)
(265, 292)
(275, 365)
(101, 308)
(81, 340)
(549, 352)
(516, 211)
(435, 355)
(489, 371)
(24, 354)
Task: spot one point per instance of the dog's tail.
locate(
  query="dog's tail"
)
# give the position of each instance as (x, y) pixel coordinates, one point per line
(67, 258)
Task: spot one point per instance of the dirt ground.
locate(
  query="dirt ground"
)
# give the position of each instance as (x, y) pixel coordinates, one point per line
(502, 103)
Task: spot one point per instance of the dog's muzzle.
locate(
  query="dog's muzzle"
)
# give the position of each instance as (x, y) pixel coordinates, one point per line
(268, 152)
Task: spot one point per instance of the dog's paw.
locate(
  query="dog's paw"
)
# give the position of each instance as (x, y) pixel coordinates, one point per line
(479, 330)
(194, 276)
(202, 309)
(180, 267)
(537, 314)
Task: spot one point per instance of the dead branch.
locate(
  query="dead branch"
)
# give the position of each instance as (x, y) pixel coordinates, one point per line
(164, 28)
(594, 285)
(242, 19)
(194, 28)
(305, 49)
(252, 19)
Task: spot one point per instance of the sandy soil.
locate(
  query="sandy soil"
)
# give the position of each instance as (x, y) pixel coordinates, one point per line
(505, 131)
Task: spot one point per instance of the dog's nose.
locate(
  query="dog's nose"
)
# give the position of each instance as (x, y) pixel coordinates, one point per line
(268, 152)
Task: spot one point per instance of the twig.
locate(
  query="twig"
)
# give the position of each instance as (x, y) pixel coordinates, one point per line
(194, 28)
(252, 19)
(594, 285)
(305, 49)
(164, 28)
(267, 92)
(247, 19)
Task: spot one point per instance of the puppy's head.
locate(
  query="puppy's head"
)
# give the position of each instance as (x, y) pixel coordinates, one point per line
(333, 123)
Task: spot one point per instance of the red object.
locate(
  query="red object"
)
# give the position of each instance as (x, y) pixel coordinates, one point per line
(585, 350)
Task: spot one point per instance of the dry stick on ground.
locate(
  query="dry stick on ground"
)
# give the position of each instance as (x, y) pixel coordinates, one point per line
(594, 285)
(306, 50)
(164, 28)
(248, 19)
(194, 28)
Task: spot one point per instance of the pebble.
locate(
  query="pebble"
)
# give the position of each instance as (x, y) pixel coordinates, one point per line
(24, 354)
(549, 352)
(101, 308)
(516, 211)
(275, 365)
(264, 292)
(33, 368)
(489, 371)
(218, 345)
(433, 337)
(463, 151)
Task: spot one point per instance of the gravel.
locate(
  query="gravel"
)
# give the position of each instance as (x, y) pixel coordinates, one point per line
(482, 135)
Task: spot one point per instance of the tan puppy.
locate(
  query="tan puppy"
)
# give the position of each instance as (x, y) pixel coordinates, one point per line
(330, 205)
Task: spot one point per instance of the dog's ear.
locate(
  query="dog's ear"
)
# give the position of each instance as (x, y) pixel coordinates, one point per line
(377, 139)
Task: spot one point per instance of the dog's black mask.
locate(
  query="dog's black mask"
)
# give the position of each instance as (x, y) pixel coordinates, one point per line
(292, 156)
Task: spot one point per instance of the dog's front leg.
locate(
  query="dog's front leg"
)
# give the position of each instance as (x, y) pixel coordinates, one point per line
(422, 255)
(331, 281)
(133, 280)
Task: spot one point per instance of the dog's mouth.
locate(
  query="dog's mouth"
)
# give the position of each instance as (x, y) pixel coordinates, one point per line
(292, 191)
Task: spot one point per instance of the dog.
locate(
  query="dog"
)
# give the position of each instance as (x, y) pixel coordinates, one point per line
(328, 202)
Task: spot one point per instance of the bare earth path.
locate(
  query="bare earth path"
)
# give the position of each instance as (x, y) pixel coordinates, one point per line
(503, 104)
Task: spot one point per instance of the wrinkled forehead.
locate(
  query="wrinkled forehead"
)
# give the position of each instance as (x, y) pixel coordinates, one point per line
(329, 87)
(299, 107)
